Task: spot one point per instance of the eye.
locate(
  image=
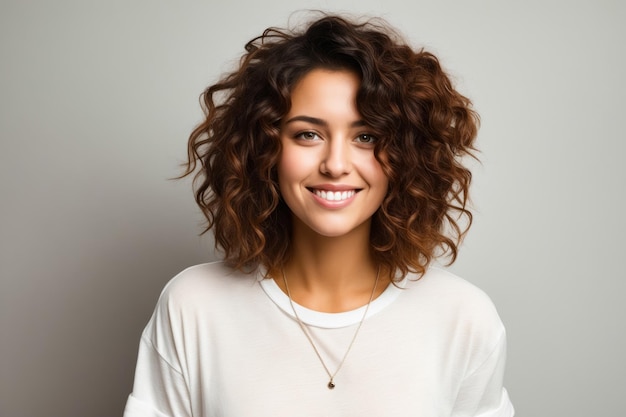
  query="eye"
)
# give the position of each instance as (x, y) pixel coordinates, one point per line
(307, 136)
(366, 138)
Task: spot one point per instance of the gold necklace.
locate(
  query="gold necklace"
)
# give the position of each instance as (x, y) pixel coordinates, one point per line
(331, 376)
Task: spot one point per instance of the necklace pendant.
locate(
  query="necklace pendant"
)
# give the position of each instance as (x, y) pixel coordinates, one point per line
(331, 384)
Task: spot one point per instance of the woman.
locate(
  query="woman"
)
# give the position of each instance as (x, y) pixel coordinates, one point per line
(329, 170)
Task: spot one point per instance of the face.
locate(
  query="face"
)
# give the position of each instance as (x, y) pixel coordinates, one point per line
(328, 174)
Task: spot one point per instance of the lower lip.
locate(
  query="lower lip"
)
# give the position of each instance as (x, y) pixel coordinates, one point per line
(335, 204)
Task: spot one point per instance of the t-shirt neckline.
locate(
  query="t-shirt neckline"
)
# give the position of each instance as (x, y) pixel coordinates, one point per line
(330, 320)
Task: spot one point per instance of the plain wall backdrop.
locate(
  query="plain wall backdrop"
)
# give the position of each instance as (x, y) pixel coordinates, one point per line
(97, 99)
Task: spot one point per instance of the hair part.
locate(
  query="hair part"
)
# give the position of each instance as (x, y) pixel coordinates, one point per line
(425, 128)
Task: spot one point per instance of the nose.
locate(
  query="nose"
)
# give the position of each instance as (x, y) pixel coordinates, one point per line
(336, 161)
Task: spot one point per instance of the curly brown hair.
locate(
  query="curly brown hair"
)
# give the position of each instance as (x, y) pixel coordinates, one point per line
(425, 128)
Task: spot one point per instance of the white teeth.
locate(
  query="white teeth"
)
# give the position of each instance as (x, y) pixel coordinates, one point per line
(334, 195)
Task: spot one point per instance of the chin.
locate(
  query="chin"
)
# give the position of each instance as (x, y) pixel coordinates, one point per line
(336, 230)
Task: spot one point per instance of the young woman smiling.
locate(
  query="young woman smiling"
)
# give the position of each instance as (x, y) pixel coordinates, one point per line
(329, 169)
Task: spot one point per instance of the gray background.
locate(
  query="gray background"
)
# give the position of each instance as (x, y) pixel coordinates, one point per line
(97, 99)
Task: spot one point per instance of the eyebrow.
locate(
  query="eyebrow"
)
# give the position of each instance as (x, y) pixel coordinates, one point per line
(320, 122)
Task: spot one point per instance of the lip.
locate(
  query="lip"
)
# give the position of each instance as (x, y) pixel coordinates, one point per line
(334, 187)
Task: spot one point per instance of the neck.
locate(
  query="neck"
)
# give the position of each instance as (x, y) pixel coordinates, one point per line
(331, 274)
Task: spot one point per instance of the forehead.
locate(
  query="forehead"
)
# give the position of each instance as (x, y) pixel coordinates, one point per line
(322, 91)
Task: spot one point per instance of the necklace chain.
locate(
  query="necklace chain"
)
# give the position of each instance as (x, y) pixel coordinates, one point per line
(332, 375)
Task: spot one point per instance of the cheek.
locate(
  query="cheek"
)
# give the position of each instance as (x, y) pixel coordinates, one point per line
(297, 162)
(289, 168)
(375, 173)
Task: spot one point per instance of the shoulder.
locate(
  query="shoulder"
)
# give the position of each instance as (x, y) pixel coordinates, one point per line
(213, 276)
(455, 305)
(197, 297)
(450, 291)
(206, 286)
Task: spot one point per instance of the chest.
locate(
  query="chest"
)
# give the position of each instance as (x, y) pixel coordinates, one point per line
(255, 366)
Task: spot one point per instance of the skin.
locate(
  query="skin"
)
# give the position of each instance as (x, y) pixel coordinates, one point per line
(327, 150)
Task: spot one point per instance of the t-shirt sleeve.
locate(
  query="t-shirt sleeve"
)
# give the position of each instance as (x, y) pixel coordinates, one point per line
(482, 393)
(160, 388)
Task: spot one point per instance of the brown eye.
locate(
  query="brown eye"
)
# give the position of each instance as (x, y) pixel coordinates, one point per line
(365, 138)
(308, 136)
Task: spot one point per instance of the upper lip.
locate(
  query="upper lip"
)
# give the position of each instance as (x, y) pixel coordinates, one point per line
(333, 187)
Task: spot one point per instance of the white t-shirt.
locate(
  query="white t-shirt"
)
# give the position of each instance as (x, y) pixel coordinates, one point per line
(223, 343)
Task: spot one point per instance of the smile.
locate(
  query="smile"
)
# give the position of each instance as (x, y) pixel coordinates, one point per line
(334, 195)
